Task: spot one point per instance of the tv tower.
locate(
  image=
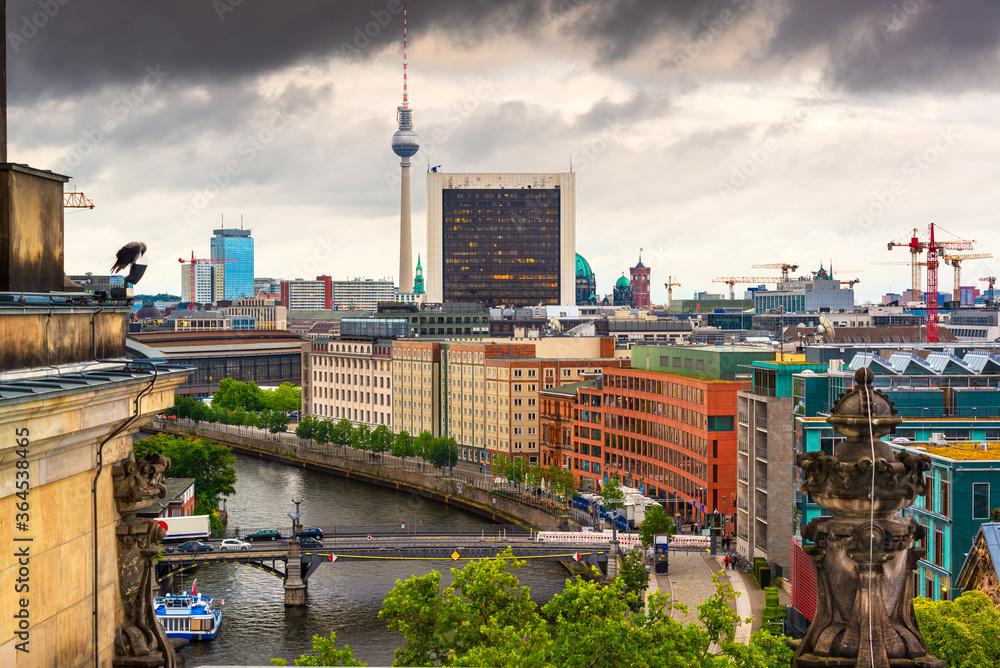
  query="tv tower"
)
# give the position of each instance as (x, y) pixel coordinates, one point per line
(405, 144)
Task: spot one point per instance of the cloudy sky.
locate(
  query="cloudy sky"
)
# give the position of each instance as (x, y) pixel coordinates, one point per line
(715, 134)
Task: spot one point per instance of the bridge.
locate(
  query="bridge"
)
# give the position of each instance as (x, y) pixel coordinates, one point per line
(275, 558)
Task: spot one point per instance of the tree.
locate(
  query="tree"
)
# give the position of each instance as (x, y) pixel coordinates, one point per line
(964, 632)
(342, 433)
(275, 422)
(327, 654)
(286, 398)
(323, 433)
(634, 576)
(233, 393)
(306, 428)
(655, 521)
(612, 495)
(402, 445)
(486, 618)
(380, 440)
(422, 444)
(361, 437)
(442, 452)
(210, 464)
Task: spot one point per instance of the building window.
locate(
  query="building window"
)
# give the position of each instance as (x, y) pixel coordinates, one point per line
(939, 548)
(981, 501)
(945, 485)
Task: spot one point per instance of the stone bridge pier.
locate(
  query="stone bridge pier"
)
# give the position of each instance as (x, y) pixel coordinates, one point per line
(295, 587)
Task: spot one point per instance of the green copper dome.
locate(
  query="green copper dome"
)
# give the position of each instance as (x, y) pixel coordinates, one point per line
(583, 268)
(623, 282)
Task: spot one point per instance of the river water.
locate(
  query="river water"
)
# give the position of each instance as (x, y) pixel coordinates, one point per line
(343, 597)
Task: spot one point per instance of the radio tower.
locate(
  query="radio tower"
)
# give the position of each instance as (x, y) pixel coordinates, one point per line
(405, 144)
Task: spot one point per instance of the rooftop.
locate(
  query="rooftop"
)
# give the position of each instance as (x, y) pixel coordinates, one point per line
(956, 451)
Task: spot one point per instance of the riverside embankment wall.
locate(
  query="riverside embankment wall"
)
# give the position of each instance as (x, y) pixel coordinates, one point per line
(494, 505)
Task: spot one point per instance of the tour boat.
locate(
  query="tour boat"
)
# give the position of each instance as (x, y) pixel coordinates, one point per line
(192, 616)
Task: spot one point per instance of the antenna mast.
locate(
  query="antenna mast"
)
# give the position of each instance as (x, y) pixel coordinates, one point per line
(405, 99)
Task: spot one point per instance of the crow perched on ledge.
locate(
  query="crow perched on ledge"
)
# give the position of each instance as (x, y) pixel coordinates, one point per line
(128, 254)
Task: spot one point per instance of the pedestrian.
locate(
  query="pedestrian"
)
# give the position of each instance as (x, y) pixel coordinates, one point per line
(726, 563)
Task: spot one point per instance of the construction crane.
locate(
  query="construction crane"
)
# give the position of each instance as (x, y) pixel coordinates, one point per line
(916, 248)
(733, 280)
(670, 290)
(956, 262)
(783, 266)
(851, 282)
(76, 200)
(194, 262)
(991, 280)
(934, 250)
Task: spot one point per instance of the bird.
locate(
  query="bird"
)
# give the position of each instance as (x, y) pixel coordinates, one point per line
(128, 254)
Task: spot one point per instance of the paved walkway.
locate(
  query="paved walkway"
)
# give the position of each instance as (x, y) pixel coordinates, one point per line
(690, 582)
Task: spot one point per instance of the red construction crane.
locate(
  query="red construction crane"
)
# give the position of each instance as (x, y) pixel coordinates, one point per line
(934, 250)
(194, 261)
(991, 280)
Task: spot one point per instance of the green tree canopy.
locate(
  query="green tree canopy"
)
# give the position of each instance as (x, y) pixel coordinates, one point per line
(210, 464)
(380, 439)
(275, 422)
(655, 521)
(326, 654)
(323, 433)
(342, 433)
(612, 495)
(486, 618)
(306, 428)
(233, 393)
(964, 632)
(402, 445)
(422, 444)
(442, 452)
(286, 398)
(361, 437)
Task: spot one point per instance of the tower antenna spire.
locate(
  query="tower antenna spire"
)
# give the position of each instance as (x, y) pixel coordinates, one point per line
(405, 98)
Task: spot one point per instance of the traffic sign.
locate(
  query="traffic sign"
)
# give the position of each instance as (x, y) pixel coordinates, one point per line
(577, 557)
(333, 557)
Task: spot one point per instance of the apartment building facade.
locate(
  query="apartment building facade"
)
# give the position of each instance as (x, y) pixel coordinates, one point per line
(348, 379)
(767, 480)
(487, 391)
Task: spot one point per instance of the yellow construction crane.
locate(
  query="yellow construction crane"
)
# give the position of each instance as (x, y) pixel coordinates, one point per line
(670, 290)
(783, 266)
(851, 282)
(916, 248)
(76, 200)
(956, 262)
(733, 280)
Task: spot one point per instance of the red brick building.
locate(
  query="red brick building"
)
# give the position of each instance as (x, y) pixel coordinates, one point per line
(670, 435)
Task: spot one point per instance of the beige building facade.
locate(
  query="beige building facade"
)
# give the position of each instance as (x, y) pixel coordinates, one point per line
(348, 379)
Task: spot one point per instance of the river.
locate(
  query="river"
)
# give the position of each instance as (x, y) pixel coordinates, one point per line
(345, 597)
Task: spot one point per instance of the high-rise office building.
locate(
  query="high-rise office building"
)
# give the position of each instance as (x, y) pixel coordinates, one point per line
(236, 247)
(501, 238)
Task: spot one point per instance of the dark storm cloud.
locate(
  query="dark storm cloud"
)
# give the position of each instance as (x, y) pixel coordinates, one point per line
(67, 47)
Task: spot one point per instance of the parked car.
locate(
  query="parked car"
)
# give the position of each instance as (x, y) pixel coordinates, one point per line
(264, 534)
(192, 546)
(233, 544)
(310, 544)
(311, 532)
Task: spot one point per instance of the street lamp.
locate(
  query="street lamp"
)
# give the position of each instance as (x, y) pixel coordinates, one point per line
(295, 517)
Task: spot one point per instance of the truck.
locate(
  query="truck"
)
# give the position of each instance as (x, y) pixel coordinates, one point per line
(185, 528)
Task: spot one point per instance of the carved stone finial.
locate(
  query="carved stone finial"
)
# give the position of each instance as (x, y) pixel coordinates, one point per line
(863, 554)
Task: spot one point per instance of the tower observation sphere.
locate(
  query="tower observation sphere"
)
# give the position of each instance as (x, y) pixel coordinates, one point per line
(404, 142)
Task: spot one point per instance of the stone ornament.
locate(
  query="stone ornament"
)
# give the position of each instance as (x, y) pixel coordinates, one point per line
(864, 556)
(140, 641)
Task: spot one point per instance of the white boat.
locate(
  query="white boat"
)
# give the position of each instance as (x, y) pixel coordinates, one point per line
(192, 616)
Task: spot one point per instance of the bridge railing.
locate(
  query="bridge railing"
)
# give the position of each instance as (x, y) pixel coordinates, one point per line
(412, 528)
